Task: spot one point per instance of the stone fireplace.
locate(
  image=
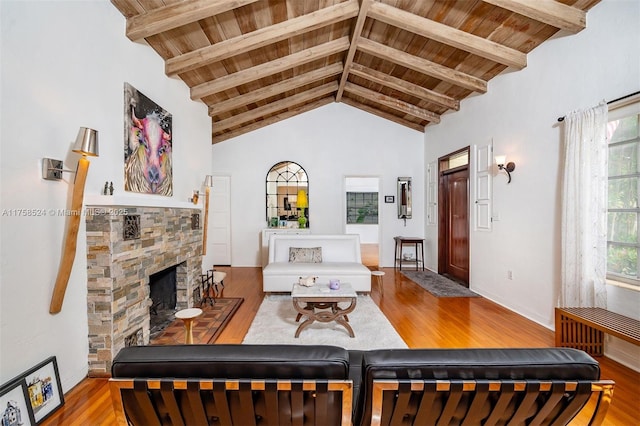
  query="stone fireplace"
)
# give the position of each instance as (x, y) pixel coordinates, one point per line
(125, 246)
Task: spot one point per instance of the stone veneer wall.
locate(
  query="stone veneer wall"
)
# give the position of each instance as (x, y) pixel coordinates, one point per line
(118, 272)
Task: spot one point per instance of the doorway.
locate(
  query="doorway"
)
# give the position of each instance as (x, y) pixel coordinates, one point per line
(220, 223)
(361, 215)
(453, 200)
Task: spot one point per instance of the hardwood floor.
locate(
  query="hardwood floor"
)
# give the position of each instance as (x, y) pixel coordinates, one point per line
(422, 320)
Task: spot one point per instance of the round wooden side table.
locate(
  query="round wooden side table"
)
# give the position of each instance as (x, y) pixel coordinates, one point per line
(187, 316)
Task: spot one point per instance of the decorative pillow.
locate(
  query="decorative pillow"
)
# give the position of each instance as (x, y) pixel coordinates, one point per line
(305, 255)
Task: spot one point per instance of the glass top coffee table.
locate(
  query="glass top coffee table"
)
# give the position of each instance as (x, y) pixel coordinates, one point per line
(320, 303)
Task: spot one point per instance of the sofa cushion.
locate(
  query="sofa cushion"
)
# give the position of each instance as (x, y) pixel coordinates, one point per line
(324, 268)
(305, 254)
(491, 364)
(232, 362)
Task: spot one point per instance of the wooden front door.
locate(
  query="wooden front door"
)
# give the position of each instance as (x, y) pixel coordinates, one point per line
(454, 224)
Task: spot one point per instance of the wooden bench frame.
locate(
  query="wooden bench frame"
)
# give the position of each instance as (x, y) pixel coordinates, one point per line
(439, 401)
(220, 390)
(584, 328)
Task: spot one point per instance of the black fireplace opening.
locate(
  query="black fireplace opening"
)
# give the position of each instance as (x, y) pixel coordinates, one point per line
(162, 287)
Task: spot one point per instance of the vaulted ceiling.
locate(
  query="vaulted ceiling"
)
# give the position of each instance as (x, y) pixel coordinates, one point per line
(256, 62)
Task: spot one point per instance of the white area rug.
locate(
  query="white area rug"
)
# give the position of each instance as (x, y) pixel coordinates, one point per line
(275, 323)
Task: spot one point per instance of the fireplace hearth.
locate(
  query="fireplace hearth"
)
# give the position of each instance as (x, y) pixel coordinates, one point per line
(120, 272)
(162, 291)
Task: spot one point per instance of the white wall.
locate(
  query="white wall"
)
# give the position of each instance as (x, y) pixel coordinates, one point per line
(64, 65)
(330, 142)
(520, 113)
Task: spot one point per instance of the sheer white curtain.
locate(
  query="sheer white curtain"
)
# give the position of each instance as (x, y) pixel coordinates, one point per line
(584, 209)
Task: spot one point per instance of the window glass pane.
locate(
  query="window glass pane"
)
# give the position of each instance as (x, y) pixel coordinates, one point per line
(623, 261)
(624, 129)
(460, 159)
(623, 193)
(622, 227)
(362, 207)
(623, 159)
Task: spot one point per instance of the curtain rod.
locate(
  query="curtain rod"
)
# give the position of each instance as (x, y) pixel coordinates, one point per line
(610, 102)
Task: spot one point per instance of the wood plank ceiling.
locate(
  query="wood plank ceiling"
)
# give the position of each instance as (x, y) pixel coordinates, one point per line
(256, 62)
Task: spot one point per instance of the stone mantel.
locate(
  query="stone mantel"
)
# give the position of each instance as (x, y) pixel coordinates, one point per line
(136, 200)
(118, 271)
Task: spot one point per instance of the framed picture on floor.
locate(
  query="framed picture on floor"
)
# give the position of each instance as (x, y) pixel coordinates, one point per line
(14, 404)
(43, 389)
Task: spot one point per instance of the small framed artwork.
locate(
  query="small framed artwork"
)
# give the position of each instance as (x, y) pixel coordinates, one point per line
(43, 389)
(389, 199)
(14, 404)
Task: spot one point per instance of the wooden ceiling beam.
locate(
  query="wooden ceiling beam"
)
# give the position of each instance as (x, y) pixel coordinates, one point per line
(382, 114)
(269, 68)
(550, 12)
(275, 89)
(285, 103)
(422, 65)
(260, 38)
(355, 36)
(404, 86)
(271, 120)
(448, 35)
(175, 15)
(391, 102)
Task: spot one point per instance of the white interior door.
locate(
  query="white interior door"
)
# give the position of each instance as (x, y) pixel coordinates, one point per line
(219, 236)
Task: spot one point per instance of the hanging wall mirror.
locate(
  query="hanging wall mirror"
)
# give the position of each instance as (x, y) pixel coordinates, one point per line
(404, 198)
(287, 196)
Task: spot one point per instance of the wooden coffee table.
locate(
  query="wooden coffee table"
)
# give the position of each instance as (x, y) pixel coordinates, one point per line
(320, 303)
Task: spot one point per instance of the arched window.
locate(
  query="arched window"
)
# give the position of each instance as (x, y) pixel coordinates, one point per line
(287, 195)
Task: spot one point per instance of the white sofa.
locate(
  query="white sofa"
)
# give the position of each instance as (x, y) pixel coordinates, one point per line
(341, 260)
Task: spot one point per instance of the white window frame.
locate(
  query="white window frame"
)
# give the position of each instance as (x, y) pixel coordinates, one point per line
(618, 110)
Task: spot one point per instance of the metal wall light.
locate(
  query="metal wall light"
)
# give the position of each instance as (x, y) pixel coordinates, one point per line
(508, 167)
(87, 145)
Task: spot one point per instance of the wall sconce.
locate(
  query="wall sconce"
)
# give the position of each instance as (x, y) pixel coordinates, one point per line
(508, 167)
(196, 196)
(208, 183)
(87, 145)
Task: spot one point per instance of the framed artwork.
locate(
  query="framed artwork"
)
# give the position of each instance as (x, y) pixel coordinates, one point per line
(148, 145)
(43, 389)
(14, 404)
(389, 199)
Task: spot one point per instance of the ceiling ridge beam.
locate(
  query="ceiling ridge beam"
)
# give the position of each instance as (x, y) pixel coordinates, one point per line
(549, 12)
(269, 68)
(448, 35)
(275, 106)
(271, 120)
(276, 89)
(424, 66)
(404, 86)
(382, 114)
(178, 14)
(355, 36)
(391, 102)
(260, 38)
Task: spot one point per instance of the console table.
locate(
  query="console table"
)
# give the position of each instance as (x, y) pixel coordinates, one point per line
(417, 243)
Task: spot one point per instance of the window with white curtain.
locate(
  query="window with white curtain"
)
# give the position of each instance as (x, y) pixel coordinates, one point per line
(623, 210)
